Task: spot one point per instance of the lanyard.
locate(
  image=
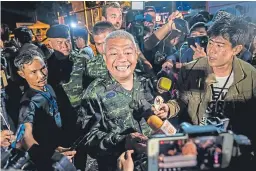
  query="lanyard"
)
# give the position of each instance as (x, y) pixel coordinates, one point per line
(53, 107)
(222, 89)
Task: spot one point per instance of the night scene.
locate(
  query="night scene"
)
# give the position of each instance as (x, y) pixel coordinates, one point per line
(128, 85)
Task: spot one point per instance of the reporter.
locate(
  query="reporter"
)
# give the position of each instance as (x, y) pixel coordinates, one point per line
(161, 33)
(187, 54)
(163, 113)
(164, 41)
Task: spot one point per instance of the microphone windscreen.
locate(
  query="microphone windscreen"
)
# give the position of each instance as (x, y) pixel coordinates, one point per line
(154, 122)
(164, 84)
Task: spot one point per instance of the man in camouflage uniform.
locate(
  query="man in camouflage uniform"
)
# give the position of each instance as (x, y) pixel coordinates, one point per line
(96, 67)
(66, 70)
(67, 66)
(119, 99)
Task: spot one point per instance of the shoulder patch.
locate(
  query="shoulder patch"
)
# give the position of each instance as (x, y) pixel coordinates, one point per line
(110, 94)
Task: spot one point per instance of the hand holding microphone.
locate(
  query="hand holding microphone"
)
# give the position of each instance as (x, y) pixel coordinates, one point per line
(160, 109)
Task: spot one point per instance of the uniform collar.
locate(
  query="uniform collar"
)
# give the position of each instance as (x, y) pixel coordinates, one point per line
(113, 84)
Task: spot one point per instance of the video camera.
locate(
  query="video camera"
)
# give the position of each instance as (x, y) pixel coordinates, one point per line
(135, 22)
(197, 148)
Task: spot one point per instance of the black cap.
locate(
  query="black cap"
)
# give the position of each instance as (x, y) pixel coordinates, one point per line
(58, 31)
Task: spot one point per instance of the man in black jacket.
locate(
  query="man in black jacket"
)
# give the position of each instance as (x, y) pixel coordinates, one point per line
(39, 112)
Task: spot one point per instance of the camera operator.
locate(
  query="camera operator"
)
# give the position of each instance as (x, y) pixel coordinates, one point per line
(187, 54)
(219, 85)
(162, 42)
(150, 10)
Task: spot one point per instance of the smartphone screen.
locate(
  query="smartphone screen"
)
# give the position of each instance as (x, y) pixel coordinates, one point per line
(201, 40)
(193, 153)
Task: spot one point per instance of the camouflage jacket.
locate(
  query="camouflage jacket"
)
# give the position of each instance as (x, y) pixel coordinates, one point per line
(96, 67)
(107, 98)
(74, 87)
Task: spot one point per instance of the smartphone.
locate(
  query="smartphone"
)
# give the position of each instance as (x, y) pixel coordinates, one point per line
(185, 153)
(201, 40)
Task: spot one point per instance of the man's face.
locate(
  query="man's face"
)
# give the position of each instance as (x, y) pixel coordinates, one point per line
(121, 58)
(61, 44)
(35, 73)
(114, 16)
(99, 40)
(200, 31)
(80, 43)
(220, 51)
(39, 38)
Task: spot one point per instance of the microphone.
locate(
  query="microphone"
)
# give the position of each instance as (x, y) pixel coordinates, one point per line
(155, 123)
(164, 84)
(158, 125)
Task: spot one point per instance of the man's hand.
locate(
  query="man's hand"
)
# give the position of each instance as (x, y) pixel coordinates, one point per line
(167, 65)
(199, 51)
(136, 141)
(175, 14)
(125, 162)
(7, 138)
(163, 112)
(66, 152)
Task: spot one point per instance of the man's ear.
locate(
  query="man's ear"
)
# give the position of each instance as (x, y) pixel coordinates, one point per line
(21, 73)
(237, 49)
(103, 18)
(50, 43)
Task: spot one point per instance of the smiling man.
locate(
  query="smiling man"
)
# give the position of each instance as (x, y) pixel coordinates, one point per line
(115, 98)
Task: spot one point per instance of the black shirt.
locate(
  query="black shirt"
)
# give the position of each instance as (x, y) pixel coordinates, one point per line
(59, 70)
(35, 109)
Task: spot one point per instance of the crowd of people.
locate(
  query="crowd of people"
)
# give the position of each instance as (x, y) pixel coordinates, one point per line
(67, 92)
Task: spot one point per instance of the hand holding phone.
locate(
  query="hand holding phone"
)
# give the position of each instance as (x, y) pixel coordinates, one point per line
(198, 51)
(202, 41)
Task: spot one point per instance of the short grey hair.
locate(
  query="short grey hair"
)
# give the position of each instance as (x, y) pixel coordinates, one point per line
(26, 57)
(119, 34)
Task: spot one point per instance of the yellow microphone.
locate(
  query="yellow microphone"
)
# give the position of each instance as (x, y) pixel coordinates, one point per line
(157, 124)
(164, 84)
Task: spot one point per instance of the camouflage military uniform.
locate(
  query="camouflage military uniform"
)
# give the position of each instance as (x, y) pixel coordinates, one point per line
(107, 98)
(96, 67)
(74, 87)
